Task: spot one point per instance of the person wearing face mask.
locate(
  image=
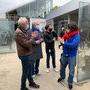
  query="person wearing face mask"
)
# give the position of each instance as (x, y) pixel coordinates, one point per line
(24, 48)
(61, 33)
(37, 49)
(70, 43)
(49, 46)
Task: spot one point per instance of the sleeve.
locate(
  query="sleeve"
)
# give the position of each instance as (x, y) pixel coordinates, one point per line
(74, 43)
(22, 40)
(61, 34)
(41, 34)
(47, 40)
(54, 34)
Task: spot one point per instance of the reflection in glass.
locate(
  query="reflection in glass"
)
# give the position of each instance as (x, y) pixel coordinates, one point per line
(84, 50)
(7, 43)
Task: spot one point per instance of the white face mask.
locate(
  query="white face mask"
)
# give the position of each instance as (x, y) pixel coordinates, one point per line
(37, 26)
(27, 27)
(67, 30)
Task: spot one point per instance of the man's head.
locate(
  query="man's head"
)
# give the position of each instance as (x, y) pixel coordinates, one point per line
(35, 24)
(72, 27)
(23, 23)
(48, 27)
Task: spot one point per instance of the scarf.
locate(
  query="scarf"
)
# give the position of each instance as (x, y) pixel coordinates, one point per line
(70, 34)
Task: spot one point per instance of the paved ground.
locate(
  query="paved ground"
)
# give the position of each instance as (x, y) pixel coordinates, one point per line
(10, 73)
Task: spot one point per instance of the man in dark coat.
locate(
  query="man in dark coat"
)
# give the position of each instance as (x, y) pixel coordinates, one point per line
(37, 49)
(49, 46)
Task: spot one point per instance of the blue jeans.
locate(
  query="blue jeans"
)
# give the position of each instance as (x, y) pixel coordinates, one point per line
(71, 61)
(27, 63)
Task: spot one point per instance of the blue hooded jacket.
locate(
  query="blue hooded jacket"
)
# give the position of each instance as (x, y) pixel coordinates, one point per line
(70, 46)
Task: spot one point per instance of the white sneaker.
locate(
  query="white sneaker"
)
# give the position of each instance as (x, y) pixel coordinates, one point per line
(48, 70)
(55, 70)
(34, 76)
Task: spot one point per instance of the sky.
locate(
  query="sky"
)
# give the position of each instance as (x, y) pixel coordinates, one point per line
(60, 2)
(6, 5)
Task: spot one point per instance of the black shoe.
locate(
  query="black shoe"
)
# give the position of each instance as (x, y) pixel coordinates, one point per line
(24, 88)
(59, 80)
(70, 86)
(34, 85)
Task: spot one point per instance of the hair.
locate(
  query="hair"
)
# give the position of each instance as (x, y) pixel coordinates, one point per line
(47, 26)
(21, 20)
(73, 27)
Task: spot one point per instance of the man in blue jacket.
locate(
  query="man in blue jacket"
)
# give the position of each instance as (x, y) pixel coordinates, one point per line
(70, 47)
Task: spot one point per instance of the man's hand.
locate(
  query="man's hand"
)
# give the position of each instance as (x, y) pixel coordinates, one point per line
(41, 39)
(38, 42)
(58, 38)
(61, 40)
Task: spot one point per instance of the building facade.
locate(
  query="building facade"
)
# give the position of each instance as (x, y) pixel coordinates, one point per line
(35, 9)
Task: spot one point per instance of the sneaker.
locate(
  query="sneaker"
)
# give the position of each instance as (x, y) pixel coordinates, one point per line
(55, 70)
(59, 80)
(33, 76)
(70, 87)
(24, 88)
(34, 85)
(48, 70)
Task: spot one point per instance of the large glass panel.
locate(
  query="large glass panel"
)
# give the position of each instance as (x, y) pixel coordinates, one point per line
(84, 50)
(35, 9)
(7, 43)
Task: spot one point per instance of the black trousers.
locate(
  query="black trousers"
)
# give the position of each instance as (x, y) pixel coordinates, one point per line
(27, 63)
(50, 51)
(37, 66)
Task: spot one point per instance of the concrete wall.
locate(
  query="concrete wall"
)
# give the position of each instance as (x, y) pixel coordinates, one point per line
(67, 8)
(71, 6)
